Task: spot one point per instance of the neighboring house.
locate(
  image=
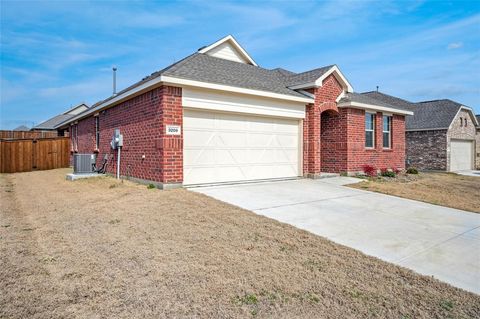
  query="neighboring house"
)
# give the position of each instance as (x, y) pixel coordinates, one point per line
(21, 128)
(477, 141)
(216, 116)
(440, 135)
(49, 125)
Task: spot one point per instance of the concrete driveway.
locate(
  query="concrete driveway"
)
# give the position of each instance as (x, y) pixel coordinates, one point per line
(475, 173)
(429, 239)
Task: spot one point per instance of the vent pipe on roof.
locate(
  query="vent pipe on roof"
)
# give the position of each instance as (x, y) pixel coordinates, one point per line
(114, 80)
(377, 88)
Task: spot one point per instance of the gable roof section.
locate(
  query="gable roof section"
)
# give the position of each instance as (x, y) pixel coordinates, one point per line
(314, 78)
(229, 49)
(478, 120)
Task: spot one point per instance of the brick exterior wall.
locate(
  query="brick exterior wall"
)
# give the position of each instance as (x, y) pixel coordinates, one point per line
(427, 150)
(142, 120)
(378, 157)
(477, 146)
(459, 131)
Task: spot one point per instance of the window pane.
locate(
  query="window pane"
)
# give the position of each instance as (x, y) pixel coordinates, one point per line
(386, 123)
(386, 140)
(369, 121)
(368, 139)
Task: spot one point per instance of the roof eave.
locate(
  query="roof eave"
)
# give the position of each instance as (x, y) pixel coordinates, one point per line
(373, 107)
(161, 80)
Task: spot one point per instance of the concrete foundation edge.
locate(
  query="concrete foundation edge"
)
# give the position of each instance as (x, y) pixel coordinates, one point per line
(159, 185)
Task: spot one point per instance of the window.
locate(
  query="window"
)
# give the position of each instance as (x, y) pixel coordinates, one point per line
(97, 132)
(74, 136)
(369, 130)
(461, 121)
(387, 131)
(466, 121)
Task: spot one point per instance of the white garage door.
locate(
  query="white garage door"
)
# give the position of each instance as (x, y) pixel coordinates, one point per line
(461, 155)
(227, 147)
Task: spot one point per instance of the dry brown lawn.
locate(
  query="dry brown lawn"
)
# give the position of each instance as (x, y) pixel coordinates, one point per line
(446, 189)
(101, 249)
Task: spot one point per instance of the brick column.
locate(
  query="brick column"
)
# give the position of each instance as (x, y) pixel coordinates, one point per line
(311, 141)
(171, 146)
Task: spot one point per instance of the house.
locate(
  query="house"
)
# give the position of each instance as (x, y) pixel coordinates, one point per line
(21, 128)
(440, 135)
(49, 125)
(477, 142)
(216, 116)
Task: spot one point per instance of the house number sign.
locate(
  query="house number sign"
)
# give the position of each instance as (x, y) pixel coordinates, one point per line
(173, 130)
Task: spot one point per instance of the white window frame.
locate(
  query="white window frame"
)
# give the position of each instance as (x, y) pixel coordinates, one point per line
(390, 119)
(374, 116)
(97, 132)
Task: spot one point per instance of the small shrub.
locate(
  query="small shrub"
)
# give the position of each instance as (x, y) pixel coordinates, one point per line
(412, 170)
(396, 171)
(447, 305)
(369, 170)
(150, 186)
(249, 299)
(387, 172)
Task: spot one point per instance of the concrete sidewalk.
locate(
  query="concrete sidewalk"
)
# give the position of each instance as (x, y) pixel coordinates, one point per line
(432, 240)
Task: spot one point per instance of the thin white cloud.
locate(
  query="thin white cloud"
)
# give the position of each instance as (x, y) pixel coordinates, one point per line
(455, 45)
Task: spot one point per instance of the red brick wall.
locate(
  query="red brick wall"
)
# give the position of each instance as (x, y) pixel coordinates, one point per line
(141, 120)
(380, 158)
(334, 141)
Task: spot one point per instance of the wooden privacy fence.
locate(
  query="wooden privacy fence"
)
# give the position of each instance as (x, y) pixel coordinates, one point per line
(28, 154)
(26, 134)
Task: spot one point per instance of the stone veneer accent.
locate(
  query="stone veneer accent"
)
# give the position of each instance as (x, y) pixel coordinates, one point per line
(462, 132)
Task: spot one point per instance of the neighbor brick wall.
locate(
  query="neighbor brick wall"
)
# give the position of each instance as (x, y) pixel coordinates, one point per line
(427, 150)
(141, 120)
(477, 152)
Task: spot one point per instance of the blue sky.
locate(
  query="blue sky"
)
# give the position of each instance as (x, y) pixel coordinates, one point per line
(55, 54)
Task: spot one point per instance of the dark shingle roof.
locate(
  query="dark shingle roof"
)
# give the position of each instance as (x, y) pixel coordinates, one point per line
(478, 120)
(308, 76)
(366, 99)
(51, 123)
(392, 100)
(437, 114)
(206, 68)
(202, 67)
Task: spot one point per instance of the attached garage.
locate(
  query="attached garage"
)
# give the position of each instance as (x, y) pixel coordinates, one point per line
(461, 155)
(230, 147)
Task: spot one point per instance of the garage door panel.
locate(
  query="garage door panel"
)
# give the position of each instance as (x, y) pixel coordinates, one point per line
(222, 147)
(461, 155)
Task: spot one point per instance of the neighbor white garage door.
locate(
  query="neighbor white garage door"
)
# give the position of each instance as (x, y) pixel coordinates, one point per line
(461, 155)
(228, 147)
